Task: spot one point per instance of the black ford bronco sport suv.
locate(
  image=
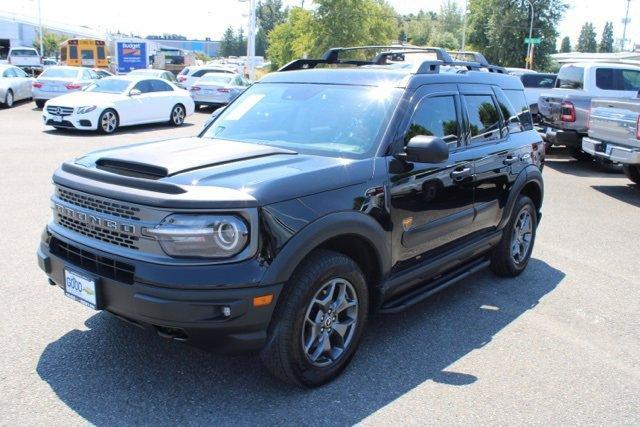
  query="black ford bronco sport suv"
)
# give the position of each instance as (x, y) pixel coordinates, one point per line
(327, 191)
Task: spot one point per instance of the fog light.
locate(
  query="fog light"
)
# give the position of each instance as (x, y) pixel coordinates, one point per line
(226, 311)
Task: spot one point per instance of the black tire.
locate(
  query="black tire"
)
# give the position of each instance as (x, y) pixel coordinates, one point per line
(283, 354)
(40, 103)
(503, 261)
(178, 114)
(632, 172)
(8, 99)
(108, 121)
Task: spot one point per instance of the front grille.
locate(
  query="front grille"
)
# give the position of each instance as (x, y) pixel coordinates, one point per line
(100, 265)
(109, 236)
(59, 111)
(103, 206)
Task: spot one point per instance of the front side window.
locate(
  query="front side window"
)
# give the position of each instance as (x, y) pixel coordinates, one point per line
(617, 79)
(436, 117)
(570, 78)
(484, 118)
(19, 72)
(323, 119)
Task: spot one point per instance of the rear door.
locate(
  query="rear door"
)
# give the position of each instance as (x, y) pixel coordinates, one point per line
(431, 204)
(163, 99)
(500, 148)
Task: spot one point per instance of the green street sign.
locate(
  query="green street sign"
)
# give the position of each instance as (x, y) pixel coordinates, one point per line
(533, 40)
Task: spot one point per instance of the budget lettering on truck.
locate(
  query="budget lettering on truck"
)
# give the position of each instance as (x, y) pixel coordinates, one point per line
(320, 195)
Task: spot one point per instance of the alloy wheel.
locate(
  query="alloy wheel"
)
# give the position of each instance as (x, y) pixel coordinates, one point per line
(108, 122)
(330, 322)
(178, 115)
(521, 236)
(9, 99)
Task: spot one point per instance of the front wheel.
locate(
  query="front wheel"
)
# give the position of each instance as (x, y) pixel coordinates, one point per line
(177, 115)
(318, 322)
(108, 122)
(8, 99)
(632, 172)
(513, 252)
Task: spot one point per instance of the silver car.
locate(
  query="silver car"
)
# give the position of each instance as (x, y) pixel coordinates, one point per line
(15, 85)
(55, 81)
(217, 89)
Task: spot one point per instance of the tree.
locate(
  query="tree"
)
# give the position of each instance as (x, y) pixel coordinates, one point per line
(291, 39)
(418, 28)
(240, 45)
(50, 44)
(503, 43)
(606, 43)
(228, 42)
(269, 14)
(587, 40)
(565, 46)
(352, 23)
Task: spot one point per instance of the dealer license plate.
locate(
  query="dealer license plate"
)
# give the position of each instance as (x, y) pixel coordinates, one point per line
(80, 288)
(57, 119)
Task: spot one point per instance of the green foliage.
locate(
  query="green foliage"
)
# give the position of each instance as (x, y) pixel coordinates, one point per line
(565, 46)
(228, 42)
(498, 29)
(442, 29)
(291, 39)
(269, 14)
(587, 40)
(50, 44)
(606, 43)
(203, 57)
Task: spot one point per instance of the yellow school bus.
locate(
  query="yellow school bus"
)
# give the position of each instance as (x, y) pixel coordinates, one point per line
(84, 53)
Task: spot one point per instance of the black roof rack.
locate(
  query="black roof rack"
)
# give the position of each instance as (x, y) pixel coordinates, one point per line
(332, 56)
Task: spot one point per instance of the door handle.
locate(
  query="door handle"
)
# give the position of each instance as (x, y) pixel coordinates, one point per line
(459, 174)
(510, 160)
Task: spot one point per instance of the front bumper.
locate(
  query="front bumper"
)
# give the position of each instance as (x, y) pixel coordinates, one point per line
(88, 121)
(216, 318)
(607, 150)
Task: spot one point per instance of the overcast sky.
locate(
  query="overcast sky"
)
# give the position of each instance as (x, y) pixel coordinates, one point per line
(209, 18)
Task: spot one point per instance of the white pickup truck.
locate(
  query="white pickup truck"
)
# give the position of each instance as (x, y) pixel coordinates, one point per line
(614, 133)
(26, 58)
(565, 109)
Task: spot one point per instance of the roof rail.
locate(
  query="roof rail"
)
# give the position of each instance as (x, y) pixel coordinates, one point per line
(463, 54)
(332, 56)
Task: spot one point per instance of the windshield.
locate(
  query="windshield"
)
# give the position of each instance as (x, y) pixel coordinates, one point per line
(216, 78)
(67, 73)
(334, 120)
(23, 52)
(109, 86)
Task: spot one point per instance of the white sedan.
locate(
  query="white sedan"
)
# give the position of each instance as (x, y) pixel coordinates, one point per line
(119, 101)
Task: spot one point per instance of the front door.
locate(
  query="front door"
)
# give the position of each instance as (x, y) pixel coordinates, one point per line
(431, 204)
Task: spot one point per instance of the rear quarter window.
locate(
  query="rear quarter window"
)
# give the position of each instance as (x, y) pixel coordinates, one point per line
(570, 78)
(513, 108)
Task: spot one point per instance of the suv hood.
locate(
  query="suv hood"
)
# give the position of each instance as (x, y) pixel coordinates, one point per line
(262, 173)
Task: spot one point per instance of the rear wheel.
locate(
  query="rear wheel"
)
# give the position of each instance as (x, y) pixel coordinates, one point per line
(512, 254)
(40, 103)
(8, 99)
(177, 115)
(318, 322)
(632, 172)
(108, 121)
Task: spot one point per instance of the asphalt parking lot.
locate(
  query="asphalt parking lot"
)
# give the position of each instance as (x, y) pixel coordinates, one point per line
(558, 345)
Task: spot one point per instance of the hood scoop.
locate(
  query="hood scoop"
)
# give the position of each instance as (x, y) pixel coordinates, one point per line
(167, 158)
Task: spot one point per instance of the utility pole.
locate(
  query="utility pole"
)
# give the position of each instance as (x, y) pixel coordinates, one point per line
(625, 22)
(529, 63)
(251, 39)
(42, 33)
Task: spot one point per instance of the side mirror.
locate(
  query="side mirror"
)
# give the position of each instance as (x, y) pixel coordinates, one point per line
(134, 92)
(427, 149)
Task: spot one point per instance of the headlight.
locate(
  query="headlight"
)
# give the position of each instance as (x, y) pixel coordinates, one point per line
(87, 109)
(201, 236)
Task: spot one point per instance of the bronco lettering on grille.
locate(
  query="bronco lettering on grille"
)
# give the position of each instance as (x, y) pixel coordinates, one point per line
(95, 220)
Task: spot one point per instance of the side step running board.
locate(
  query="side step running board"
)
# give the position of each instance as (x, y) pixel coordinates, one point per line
(407, 300)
